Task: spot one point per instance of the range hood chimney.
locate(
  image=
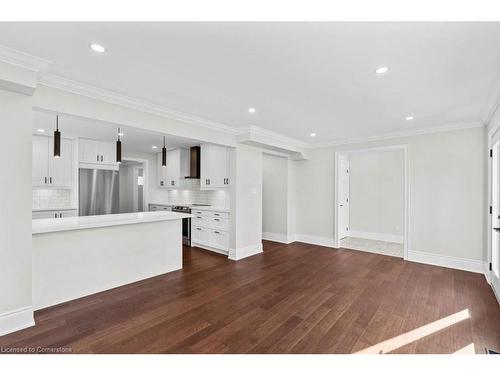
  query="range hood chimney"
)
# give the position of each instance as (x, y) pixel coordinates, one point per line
(194, 164)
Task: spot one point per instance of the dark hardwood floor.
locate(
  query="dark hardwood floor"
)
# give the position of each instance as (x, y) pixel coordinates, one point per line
(295, 298)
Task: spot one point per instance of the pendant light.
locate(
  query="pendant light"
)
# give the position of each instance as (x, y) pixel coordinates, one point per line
(164, 153)
(57, 140)
(119, 148)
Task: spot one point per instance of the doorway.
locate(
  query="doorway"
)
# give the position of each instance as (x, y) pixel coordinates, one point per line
(371, 200)
(133, 191)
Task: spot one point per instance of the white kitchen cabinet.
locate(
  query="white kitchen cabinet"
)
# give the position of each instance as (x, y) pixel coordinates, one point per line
(48, 171)
(97, 153)
(210, 230)
(173, 175)
(214, 167)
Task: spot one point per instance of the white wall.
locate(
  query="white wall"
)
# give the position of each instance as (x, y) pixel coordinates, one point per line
(376, 199)
(246, 201)
(126, 177)
(274, 195)
(447, 196)
(15, 211)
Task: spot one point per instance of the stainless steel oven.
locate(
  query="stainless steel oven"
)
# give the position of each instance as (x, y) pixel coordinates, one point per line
(186, 224)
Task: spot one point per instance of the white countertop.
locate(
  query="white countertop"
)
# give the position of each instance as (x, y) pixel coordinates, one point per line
(54, 209)
(98, 221)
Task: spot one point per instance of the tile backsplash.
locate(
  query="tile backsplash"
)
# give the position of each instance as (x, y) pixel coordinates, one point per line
(51, 198)
(218, 198)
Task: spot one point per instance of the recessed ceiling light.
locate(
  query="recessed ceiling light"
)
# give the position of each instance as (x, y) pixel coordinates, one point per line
(154, 147)
(251, 110)
(97, 47)
(313, 134)
(40, 130)
(382, 70)
(409, 118)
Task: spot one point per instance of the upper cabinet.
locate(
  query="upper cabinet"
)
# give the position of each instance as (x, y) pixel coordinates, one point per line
(173, 175)
(98, 154)
(214, 167)
(48, 171)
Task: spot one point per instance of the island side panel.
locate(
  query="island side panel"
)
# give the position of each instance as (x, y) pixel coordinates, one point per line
(72, 264)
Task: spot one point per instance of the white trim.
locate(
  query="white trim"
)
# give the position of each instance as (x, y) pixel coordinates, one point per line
(406, 230)
(277, 237)
(399, 134)
(376, 236)
(278, 137)
(108, 96)
(463, 264)
(486, 271)
(245, 252)
(23, 60)
(315, 240)
(16, 320)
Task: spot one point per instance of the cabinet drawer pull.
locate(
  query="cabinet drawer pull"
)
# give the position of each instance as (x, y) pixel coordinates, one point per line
(216, 214)
(216, 232)
(198, 228)
(199, 217)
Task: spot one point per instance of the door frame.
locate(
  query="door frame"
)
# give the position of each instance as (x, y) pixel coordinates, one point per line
(406, 192)
(145, 173)
(487, 273)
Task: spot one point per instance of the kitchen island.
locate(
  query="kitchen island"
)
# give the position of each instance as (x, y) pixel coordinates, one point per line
(77, 256)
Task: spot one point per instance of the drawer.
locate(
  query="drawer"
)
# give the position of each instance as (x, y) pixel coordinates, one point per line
(199, 234)
(200, 221)
(219, 239)
(199, 212)
(218, 223)
(53, 214)
(157, 207)
(218, 214)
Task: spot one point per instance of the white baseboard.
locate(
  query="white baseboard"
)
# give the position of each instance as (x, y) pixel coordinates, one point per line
(464, 264)
(16, 320)
(486, 271)
(376, 236)
(315, 240)
(244, 252)
(277, 237)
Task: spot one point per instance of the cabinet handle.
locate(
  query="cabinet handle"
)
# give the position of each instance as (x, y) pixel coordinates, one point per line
(55, 215)
(161, 183)
(198, 228)
(217, 219)
(102, 158)
(60, 214)
(50, 179)
(216, 232)
(45, 179)
(198, 217)
(216, 214)
(97, 157)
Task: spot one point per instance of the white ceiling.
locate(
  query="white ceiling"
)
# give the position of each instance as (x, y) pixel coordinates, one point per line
(134, 139)
(301, 77)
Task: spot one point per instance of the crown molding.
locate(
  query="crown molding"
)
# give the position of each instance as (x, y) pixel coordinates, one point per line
(399, 134)
(23, 60)
(64, 84)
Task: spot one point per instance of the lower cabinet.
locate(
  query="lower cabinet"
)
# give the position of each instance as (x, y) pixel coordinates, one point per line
(53, 214)
(210, 230)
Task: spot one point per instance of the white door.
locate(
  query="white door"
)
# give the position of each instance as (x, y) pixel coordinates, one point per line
(343, 197)
(61, 169)
(204, 167)
(218, 166)
(494, 273)
(40, 161)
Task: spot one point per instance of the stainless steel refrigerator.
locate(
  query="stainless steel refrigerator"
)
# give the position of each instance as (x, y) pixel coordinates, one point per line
(98, 192)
